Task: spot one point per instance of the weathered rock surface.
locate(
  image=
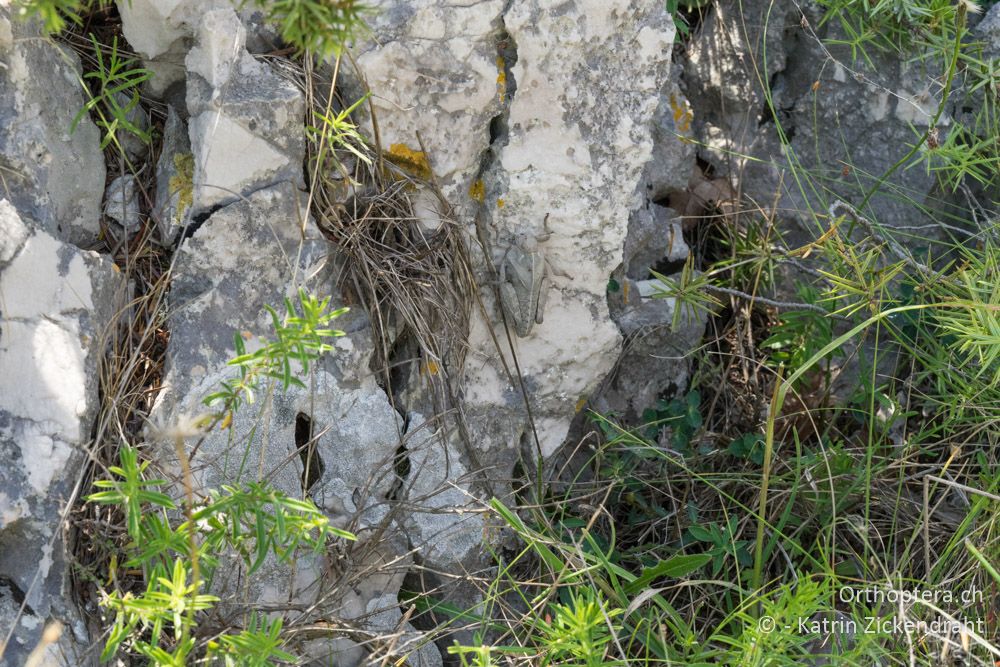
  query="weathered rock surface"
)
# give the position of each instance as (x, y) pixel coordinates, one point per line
(246, 124)
(174, 179)
(121, 203)
(655, 359)
(56, 302)
(830, 115)
(575, 160)
(52, 174)
(512, 105)
(242, 258)
(437, 70)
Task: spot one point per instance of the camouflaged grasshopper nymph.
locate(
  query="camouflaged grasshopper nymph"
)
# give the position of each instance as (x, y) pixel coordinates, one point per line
(523, 273)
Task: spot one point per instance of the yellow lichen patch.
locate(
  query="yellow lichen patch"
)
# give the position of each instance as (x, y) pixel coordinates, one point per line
(431, 367)
(477, 191)
(501, 78)
(581, 403)
(501, 203)
(682, 114)
(415, 162)
(182, 182)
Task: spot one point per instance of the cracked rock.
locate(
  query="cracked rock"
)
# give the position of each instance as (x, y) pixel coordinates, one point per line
(56, 303)
(436, 69)
(241, 259)
(246, 120)
(51, 174)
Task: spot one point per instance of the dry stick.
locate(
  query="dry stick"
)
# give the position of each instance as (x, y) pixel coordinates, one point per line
(766, 301)
(897, 249)
(963, 487)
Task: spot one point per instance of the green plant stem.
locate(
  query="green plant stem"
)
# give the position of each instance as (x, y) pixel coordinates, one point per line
(192, 539)
(765, 480)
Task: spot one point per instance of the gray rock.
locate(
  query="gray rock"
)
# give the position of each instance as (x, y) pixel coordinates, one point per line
(385, 616)
(988, 30)
(162, 33)
(443, 527)
(121, 203)
(654, 237)
(656, 357)
(246, 124)
(174, 179)
(57, 302)
(133, 146)
(673, 151)
(51, 174)
(830, 116)
(242, 258)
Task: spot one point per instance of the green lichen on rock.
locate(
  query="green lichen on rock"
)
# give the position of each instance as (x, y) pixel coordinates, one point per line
(182, 182)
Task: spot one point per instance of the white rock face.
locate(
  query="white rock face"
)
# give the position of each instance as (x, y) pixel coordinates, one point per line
(588, 84)
(433, 68)
(55, 305)
(51, 174)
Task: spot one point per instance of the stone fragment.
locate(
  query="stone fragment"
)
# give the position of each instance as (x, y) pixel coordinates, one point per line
(174, 179)
(134, 147)
(673, 151)
(51, 174)
(121, 203)
(655, 359)
(385, 616)
(442, 529)
(655, 237)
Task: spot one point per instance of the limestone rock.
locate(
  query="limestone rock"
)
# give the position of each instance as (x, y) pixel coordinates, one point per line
(174, 178)
(655, 238)
(162, 32)
(655, 359)
(830, 116)
(55, 304)
(442, 527)
(385, 616)
(51, 174)
(242, 258)
(246, 124)
(576, 159)
(988, 30)
(121, 203)
(436, 69)
(673, 151)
